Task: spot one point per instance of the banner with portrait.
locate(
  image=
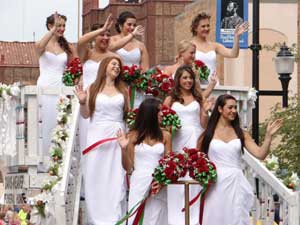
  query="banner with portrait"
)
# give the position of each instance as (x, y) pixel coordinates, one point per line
(231, 13)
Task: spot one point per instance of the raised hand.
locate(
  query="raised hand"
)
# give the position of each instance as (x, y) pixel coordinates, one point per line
(108, 23)
(56, 20)
(274, 126)
(241, 28)
(138, 31)
(80, 93)
(122, 139)
(208, 104)
(214, 77)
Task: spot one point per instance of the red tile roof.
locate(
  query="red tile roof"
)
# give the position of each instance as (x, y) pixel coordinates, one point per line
(18, 54)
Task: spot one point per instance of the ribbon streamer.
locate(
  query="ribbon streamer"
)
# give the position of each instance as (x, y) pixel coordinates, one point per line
(97, 144)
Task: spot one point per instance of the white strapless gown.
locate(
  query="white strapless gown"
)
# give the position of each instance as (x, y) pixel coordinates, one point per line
(89, 71)
(129, 58)
(51, 68)
(210, 59)
(146, 159)
(229, 200)
(102, 168)
(186, 136)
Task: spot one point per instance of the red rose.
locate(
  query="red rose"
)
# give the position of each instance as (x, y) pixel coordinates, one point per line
(73, 70)
(168, 171)
(199, 63)
(165, 87)
(203, 168)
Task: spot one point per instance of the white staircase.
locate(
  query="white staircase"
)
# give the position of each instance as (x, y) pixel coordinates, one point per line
(67, 193)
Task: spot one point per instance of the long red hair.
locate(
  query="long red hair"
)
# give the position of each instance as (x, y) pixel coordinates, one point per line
(100, 81)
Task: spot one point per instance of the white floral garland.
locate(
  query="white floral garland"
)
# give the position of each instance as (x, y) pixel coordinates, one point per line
(51, 185)
(8, 127)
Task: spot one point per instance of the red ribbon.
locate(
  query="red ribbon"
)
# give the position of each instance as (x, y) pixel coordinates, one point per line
(96, 144)
(140, 212)
(202, 202)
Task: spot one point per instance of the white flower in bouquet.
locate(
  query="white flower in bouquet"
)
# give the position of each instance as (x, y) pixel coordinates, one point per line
(272, 163)
(252, 97)
(4, 91)
(62, 117)
(295, 179)
(15, 90)
(64, 103)
(60, 171)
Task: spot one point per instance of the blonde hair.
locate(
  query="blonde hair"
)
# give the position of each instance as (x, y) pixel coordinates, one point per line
(182, 47)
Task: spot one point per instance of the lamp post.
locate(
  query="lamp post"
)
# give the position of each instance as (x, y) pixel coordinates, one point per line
(284, 64)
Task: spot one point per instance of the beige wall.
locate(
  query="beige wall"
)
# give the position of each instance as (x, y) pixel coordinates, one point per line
(278, 23)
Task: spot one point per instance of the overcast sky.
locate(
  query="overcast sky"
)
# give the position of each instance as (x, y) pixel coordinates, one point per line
(24, 20)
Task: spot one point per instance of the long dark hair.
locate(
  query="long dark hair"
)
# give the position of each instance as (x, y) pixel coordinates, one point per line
(146, 123)
(195, 90)
(62, 41)
(99, 83)
(213, 121)
(122, 19)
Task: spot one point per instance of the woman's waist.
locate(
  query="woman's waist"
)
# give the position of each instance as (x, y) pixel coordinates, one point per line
(49, 80)
(228, 165)
(106, 122)
(144, 168)
(190, 124)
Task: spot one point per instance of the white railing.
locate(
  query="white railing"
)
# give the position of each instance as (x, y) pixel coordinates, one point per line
(68, 195)
(266, 186)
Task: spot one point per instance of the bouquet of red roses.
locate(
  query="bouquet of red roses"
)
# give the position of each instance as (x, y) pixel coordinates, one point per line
(200, 167)
(73, 72)
(131, 74)
(170, 168)
(170, 119)
(131, 116)
(159, 84)
(201, 70)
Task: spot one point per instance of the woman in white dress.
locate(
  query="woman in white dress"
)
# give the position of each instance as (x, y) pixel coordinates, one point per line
(134, 51)
(224, 141)
(54, 51)
(206, 50)
(104, 102)
(186, 99)
(92, 57)
(145, 146)
(186, 56)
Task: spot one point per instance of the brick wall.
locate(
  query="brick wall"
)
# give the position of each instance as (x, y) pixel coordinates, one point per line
(26, 75)
(87, 5)
(156, 16)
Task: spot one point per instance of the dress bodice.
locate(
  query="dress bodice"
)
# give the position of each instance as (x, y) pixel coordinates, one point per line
(189, 115)
(108, 108)
(225, 154)
(130, 57)
(51, 67)
(146, 157)
(89, 71)
(209, 58)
